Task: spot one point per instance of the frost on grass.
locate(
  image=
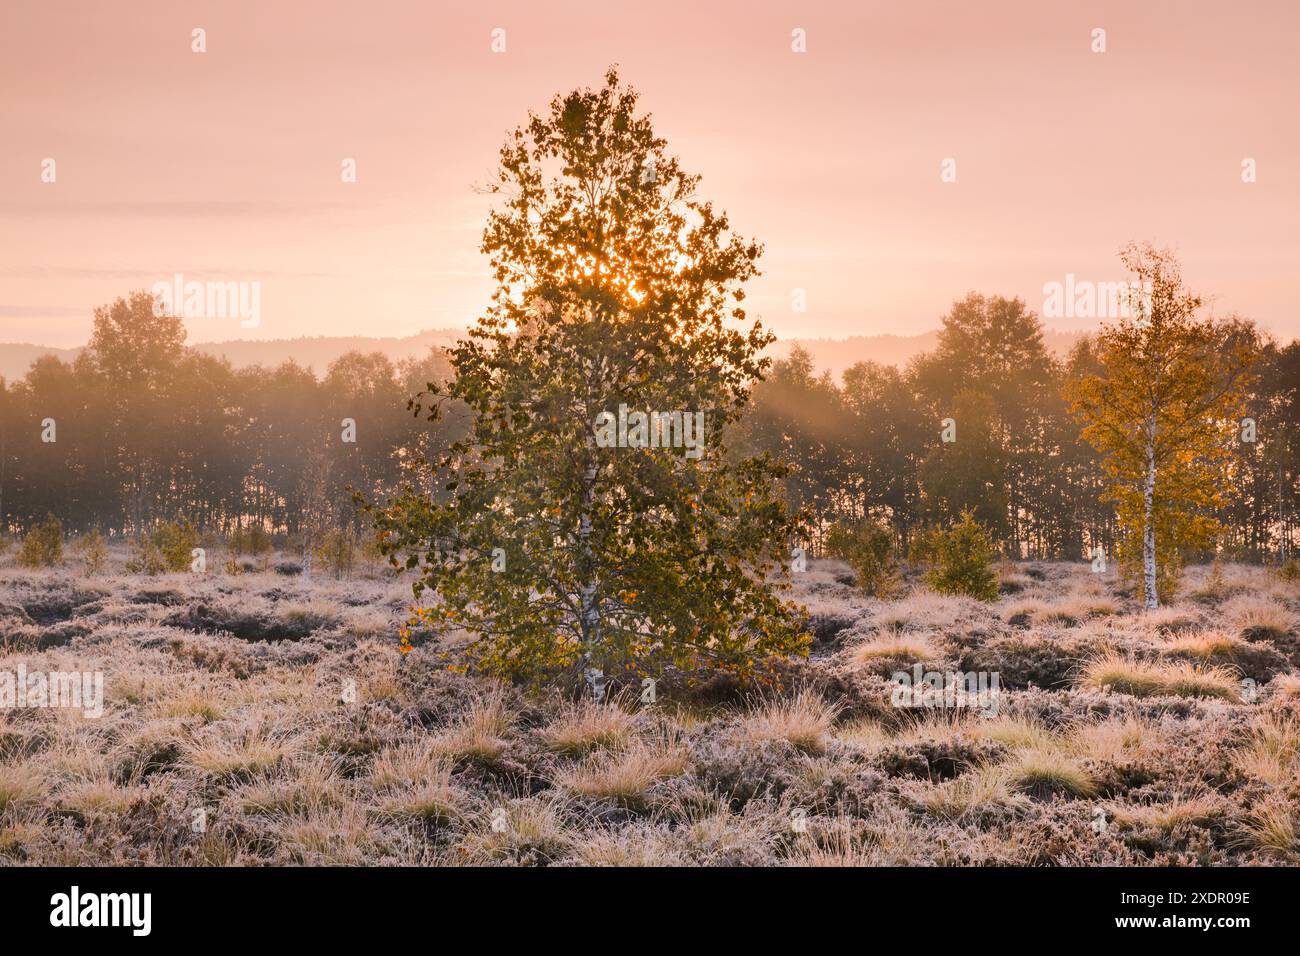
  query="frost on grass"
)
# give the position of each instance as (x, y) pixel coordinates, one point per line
(278, 710)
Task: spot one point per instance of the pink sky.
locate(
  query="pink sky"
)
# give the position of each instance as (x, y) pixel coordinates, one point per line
(225, 165)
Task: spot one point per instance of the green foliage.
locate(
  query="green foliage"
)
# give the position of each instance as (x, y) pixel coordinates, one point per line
(1290, 570)
(145, 557)
(167, 548)
(43, 546)
(1172, 536)
(963, 558)
(94, 551)
(1162, 410)
(336, 550)
(798, 415)
(175, 541)
(250, 540)
(617, 286)
(969, 474)
(868, 547)
(923, 548)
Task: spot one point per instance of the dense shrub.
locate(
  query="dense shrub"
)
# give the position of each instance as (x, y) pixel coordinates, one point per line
(43, 546)
(175, 541)
(94, 551)
(167, 548)
(868, 548)
(963, 559)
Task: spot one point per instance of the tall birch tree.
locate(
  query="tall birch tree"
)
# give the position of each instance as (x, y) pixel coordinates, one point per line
(1163, 411)
(566, 537)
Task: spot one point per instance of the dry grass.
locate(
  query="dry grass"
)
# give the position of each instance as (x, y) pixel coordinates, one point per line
(631, 847)
(21, 785)
(191, 702)
(1077, 606)
(17, 836)
(1170, 618)
(406, 765)
(249, 754)
(480, 734)
(1271, 751)
(1285, 687)
(899, 649)
(1014, 732)
(434, 766)
(587, 726)
(1206, 646)
(432, 797)
(973, 795)
(1126, 675)
(863, 734)
(1201, 810)
(334, 836)
(1042, 773)
(624, 777)
(938, 726)
(838, 848)
(1259, 617)
(298, 791)
(97, 797)
(1116, 741)
(803, 721)
(925, 610)
(1272, 827)
(524, 831)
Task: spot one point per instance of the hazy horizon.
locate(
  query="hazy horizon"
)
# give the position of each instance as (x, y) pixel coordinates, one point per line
(225, 165)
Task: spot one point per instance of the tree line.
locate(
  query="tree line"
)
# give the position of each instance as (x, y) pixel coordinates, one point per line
(872, 446)
(140, 430)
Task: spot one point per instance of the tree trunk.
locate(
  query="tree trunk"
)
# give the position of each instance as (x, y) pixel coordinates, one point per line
(588, 608)
(1148, 520)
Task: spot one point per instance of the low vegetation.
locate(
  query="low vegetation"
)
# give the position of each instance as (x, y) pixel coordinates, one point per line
(258, 718)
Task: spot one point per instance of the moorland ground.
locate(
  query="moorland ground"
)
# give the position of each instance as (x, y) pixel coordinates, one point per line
(264, 718)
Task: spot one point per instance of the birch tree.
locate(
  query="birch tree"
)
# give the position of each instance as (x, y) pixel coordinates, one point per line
(618, 295)
(1163, 411)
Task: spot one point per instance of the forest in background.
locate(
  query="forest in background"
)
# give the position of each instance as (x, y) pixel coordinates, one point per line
(146, 430)
(870, 445)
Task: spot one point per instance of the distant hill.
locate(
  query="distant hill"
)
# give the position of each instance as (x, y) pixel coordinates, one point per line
(317, 352)
(17, 357)
(836, 355)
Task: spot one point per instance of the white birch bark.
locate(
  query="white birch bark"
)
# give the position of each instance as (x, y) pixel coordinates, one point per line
(1148, 518)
